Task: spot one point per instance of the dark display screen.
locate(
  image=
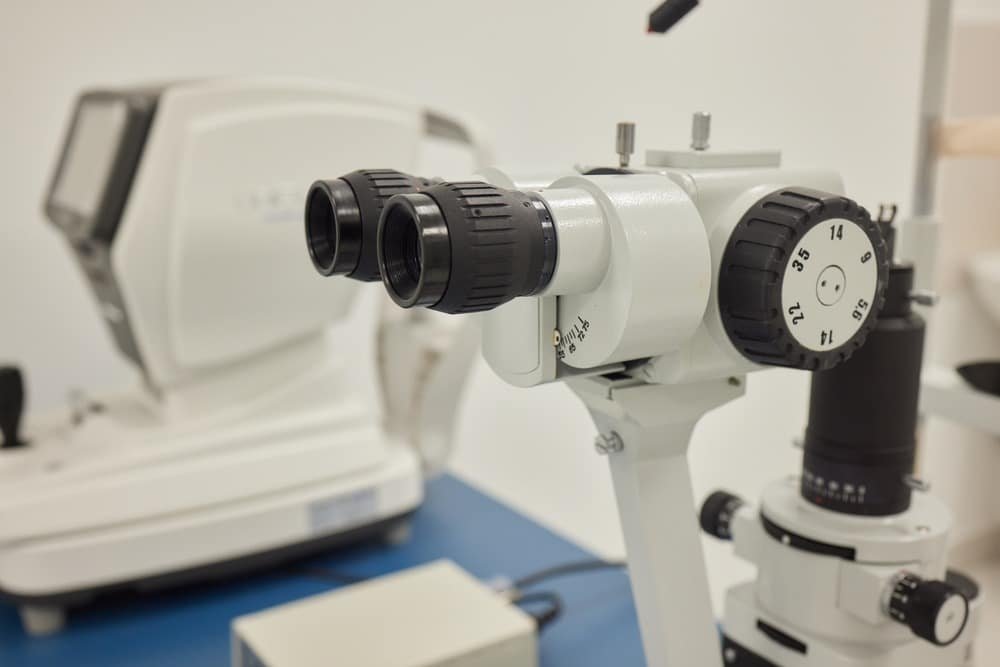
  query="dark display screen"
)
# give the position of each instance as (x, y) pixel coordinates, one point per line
(90, 155)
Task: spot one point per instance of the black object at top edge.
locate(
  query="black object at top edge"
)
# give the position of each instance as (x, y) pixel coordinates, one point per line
(669, 13)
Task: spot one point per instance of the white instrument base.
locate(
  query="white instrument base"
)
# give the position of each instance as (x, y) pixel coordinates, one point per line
(743, 614)
(159, 505)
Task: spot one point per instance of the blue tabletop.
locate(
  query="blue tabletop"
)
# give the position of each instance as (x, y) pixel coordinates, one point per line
(190, 627)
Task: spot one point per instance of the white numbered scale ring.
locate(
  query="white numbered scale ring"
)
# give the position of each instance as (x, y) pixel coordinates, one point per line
(802, 279)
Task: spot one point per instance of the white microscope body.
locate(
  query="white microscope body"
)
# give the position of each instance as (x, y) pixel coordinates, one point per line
(256, 436)
(826, 584)
(852, 555)
(652, 292)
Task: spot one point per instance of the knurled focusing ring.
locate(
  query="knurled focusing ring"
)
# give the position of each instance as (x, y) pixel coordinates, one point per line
(414, 250)
(333, 227)
(549, 241)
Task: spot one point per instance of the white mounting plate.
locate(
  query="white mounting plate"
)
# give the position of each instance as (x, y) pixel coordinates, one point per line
(712, 159)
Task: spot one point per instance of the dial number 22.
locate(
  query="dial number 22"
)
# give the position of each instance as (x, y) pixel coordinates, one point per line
(796, 313)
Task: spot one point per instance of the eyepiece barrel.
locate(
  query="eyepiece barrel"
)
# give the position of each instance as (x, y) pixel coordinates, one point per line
(341, 220)
(333, 227)
(414, 250)
(465, 247)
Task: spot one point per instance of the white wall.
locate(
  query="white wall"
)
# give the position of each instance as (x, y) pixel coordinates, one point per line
(977, 11)
(833, 83)
(961, 463)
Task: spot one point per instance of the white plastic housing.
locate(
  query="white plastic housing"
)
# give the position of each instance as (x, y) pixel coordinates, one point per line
(655, 298)
(209, 254)
(985, 273)
(434, 615)
(835, 605)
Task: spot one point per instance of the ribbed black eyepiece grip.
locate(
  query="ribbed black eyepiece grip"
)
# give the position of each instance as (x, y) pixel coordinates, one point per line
(465, 247)
(342, 215)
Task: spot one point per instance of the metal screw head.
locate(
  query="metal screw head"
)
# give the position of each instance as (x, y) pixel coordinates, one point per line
(625, 143)
(701, 130)
(730, 655)
(607, 443)
(916, 484)
(924, 297)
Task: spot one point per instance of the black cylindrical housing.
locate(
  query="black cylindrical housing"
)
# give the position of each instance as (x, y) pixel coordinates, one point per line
(342, 217)
(465, 247)
(860, 442)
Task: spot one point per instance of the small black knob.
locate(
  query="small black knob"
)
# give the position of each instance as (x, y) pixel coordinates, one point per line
(11, 406)
(802, 279)
(934, 610)
(717, 514)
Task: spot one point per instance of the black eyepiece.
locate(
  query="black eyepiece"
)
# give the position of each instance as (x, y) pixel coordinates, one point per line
(465, 247)
(333, 227)
(414, 250)
(342, 217)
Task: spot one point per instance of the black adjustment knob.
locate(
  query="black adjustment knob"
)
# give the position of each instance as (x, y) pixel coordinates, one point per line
(11, 406)
(802, 279)
(342, 219)
(465, 247)
(717, 512)
(934, 610)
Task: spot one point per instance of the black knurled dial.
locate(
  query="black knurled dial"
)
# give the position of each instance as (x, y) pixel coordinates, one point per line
(802, 279)
(934, 610)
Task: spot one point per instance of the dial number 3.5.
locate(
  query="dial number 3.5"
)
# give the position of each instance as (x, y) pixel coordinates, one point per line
(799, 264)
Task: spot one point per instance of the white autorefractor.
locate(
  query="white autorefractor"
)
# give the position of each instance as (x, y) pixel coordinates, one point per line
(651, 291)
(257, 434)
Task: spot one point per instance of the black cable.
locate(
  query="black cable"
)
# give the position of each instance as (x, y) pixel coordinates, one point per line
(547, 615)
(567, 569)
(328, 575)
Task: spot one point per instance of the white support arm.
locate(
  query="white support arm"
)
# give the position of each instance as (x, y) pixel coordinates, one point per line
(656, 504)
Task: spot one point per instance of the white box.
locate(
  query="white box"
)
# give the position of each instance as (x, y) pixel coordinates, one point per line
(435, 615)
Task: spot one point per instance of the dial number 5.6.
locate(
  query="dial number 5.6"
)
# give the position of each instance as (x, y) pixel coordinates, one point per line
(860, 309)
